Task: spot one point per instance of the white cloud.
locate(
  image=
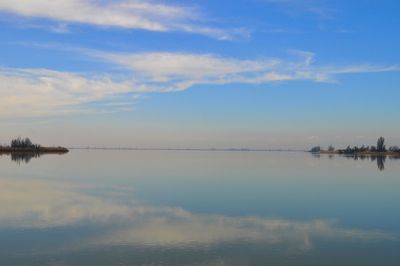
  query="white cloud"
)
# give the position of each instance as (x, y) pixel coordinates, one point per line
(39, 92)
(42, 92)
(129, 14)
(179, 71)
(185, 67)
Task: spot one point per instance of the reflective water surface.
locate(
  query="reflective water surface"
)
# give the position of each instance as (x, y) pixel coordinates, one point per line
(199, 208)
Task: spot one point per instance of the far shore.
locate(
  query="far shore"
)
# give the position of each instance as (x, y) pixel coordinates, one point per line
(22, 146)
(34, 150)
(373, 151)
(366, 153)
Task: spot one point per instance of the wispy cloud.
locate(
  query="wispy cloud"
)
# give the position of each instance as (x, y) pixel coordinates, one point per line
(129, 14)
(317, 8)
(43, 92)
(179, 71)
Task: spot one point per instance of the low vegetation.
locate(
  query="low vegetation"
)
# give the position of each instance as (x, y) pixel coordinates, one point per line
(380, 148)
(24, 145)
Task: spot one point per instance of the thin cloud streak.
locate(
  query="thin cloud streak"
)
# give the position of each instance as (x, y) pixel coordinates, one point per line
(128, 14)
(318, 8)
(44, 92)
(163, 71)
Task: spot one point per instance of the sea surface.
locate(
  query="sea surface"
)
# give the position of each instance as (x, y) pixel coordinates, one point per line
(105, 207)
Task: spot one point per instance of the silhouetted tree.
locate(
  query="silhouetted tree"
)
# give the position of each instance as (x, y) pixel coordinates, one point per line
(394, 149)
(316, 149)
(364, 148)
(331, 148)
(380, 146)
(348, 150)
(26, 143)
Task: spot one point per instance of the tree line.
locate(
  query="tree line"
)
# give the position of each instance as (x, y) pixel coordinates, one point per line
(379, 148)
(22, 143)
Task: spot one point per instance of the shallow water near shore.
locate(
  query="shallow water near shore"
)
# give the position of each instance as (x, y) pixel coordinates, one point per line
(96, 207)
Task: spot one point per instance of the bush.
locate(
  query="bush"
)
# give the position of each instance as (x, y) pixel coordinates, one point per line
(394, 149)
(316, 149)
(20, 143)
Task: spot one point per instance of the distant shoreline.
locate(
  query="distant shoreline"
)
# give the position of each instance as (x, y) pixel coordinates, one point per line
(373, 151)
(24, 146)
(367, 153)
(186, 149)
(34, 150)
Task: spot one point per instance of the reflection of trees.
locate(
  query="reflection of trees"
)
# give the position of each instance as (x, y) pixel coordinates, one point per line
(380, 159)
(316, 155)
(24, 157)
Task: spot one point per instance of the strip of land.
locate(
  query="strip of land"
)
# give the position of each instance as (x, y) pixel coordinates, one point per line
(21, 146)
(366, 153)
(378, 150)
(33, 150)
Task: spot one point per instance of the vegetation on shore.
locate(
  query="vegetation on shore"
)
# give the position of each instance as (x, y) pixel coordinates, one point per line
(25, 145)
(379, 149)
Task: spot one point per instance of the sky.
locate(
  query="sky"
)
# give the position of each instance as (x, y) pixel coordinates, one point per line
(200, 74)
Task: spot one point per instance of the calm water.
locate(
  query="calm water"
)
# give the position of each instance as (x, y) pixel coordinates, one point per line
(198, 208)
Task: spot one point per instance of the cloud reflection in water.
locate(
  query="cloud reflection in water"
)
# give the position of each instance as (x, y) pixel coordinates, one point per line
(43, 205)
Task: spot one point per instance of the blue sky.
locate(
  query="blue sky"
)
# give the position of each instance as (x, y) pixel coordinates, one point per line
(254, 73)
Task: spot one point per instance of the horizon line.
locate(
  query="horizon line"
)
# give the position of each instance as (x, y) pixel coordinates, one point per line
(187, 149)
